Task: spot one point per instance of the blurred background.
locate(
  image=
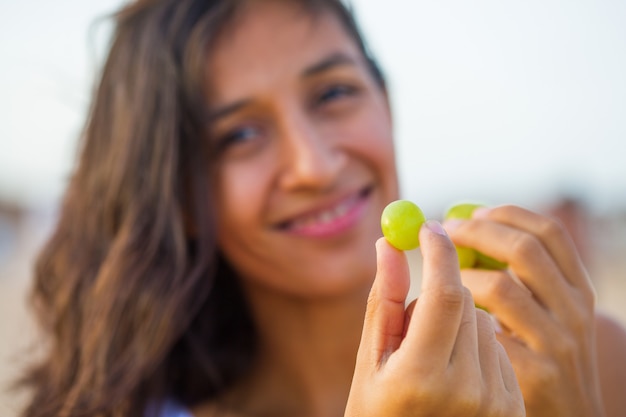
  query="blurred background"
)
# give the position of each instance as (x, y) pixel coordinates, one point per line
(521, 102)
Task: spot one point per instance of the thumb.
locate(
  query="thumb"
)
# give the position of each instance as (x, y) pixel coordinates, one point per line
(436, 319)
(384, 319)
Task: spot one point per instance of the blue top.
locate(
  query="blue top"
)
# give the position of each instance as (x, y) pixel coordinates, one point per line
(169, 409)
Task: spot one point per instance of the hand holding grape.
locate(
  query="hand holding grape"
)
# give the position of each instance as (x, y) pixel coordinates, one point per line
(545, 303)
(439, 358)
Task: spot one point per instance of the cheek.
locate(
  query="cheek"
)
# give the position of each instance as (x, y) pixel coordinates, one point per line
(240, 196)
(372, 138)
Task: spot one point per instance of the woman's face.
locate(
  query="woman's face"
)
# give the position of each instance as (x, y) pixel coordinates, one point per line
(306, 160)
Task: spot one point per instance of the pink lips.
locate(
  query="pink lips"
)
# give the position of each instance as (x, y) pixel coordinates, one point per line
(331, 221)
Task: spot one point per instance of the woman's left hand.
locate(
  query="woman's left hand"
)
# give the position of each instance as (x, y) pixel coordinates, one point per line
(544, 303)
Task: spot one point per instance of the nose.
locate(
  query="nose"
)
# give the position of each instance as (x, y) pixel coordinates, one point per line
(312, 158)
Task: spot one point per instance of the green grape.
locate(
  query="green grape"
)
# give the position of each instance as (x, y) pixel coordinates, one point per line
(467, 257)
(400, 222)
(461, 210)
(482, 307)
(487, 262)
(464, 211)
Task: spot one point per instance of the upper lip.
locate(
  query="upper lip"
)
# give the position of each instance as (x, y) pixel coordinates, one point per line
(320, 207)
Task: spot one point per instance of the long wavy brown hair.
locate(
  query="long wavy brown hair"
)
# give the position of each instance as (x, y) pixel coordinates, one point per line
(136, 303)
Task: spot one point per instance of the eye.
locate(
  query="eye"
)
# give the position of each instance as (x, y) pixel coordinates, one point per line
(238, 136)
(335, 92)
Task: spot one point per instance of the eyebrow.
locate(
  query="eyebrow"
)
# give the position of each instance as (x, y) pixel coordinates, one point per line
(337, 59)
(334, 60)
(228, 109)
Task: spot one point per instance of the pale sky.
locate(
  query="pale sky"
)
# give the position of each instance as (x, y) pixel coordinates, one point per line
(494, 100)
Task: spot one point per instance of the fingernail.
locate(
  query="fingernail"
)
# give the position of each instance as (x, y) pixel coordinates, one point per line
(481, 212)
(435, 227)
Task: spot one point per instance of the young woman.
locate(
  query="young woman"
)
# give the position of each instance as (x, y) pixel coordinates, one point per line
(219, 254)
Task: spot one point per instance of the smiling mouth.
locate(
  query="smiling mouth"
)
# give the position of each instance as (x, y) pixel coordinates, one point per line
(331, 220)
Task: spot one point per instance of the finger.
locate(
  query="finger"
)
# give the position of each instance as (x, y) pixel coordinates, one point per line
(526, 256)
(520, 357)
(509, 377)
(437, 315)
(513, 305)
(496, 367)
(465, 355)
(384, 319)
(552, 235)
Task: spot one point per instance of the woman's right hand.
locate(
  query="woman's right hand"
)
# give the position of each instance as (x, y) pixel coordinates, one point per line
(438, 357)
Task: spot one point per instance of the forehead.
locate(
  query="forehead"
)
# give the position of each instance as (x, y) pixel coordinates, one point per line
(270, 41)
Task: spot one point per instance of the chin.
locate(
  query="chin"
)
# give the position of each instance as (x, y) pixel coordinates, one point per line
(347, 276)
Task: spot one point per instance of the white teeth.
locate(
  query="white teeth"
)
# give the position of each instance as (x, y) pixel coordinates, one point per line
(342, 209)
(326, 216)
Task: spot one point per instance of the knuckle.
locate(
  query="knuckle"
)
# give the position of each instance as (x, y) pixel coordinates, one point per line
(565, 347)
(502, 287)
(451, 296)
(526, 246)
(505, 211)
(551, 228)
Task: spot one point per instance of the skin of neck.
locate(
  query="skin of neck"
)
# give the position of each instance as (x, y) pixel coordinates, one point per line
(307, 354)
